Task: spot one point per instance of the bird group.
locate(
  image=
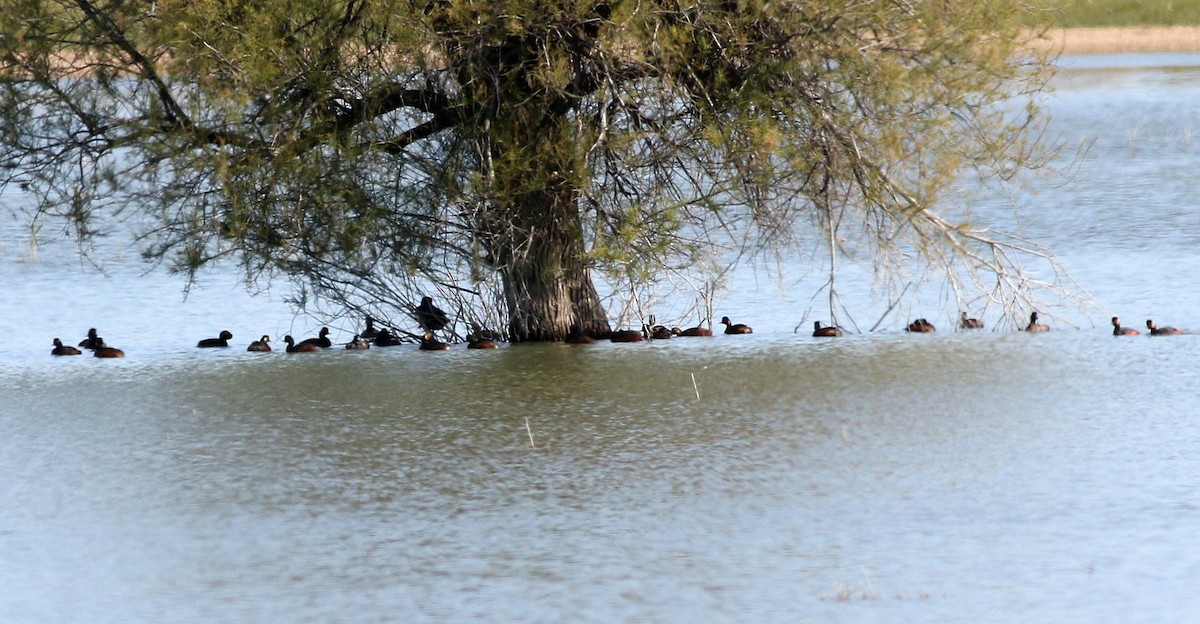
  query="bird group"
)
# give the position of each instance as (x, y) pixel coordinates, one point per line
(432, 319)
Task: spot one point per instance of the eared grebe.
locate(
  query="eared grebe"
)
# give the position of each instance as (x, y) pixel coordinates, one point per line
(735, 328)
(921, 326)
(627, 335)
(692, 331)
(969, 323)
(429, 343)
(262, 344)
(1122, 331)
(1034, 326)
(474, 341)
(62, 349)
(1161, 331)
(304, 347)
(222, 341)
(322, 340)
(92, 340)
(831, 332)
(104, 351)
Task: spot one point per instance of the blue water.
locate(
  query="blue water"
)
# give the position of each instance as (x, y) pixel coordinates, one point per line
(984, 477)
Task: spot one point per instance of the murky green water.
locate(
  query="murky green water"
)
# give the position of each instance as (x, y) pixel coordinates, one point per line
(985, 477)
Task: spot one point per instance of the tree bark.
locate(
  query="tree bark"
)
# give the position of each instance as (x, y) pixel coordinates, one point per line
(547, 287)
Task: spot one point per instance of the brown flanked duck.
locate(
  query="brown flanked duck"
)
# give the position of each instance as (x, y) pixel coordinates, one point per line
(220, 341)
(659, 332)
(692, 331)
(62, 349)
(370, 332)
(104, 351)
(1122, 331)
(735, 328)
(386, 338)
(1034, 326)
(475, 341)
(627, 335)
(358, 343)
(429, 343)
(969, 323)
(1155, 330)
(827, 332)
(262, 345)
(578, 336)
(322, 340)
(920, 326)
(91, 340)
(303, 347)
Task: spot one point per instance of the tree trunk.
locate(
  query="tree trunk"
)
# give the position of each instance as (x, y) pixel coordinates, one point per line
(547, 287)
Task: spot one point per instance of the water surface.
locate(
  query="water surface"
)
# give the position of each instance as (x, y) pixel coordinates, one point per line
(885, 477)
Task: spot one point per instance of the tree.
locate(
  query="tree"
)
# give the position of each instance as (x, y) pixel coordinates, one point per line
(507, 152)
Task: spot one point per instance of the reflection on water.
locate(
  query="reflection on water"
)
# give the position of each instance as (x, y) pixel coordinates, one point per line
(767, 478)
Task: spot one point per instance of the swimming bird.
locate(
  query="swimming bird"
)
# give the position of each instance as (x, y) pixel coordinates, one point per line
(1161, 331)
(921, 326)
(1122, 331)
(969, 323)
(91, 340)
(692, 331)
(735, 328)
(483, 333)
(62, 349)
(358, 343)
(474, 341)
(322, 340)
(102, 350)
(385, 338)
(303, 347)
(1034, 326)
(261, 345)
(658, 332)
(222, 341)
(577, 336)
(627, 335)
(370, 332)
(831, 332)
(429, 316)
(429, 343)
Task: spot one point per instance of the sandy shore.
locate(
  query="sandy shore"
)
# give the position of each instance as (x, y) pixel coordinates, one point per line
(1111, 40)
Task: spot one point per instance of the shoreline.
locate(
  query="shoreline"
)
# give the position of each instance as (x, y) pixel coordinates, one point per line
(1118, 40)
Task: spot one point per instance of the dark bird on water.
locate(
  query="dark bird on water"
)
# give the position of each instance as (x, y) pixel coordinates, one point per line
(429, 343)
(322, 340)
(91, 340)
(1161, 331)
(921, 326)
(692, 331)
(262, 345)
(1122, 331)
(829, 331)
(104, 351)
(1034, 326)
(735, 328)
(62, 349)
(222, 341)
(969, 323)
(303, 347)
(430, 317)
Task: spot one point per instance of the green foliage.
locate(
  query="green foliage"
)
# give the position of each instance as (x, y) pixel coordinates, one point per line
(370, 149)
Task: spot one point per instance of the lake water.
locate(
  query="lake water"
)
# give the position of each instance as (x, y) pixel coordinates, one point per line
(882, 477)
